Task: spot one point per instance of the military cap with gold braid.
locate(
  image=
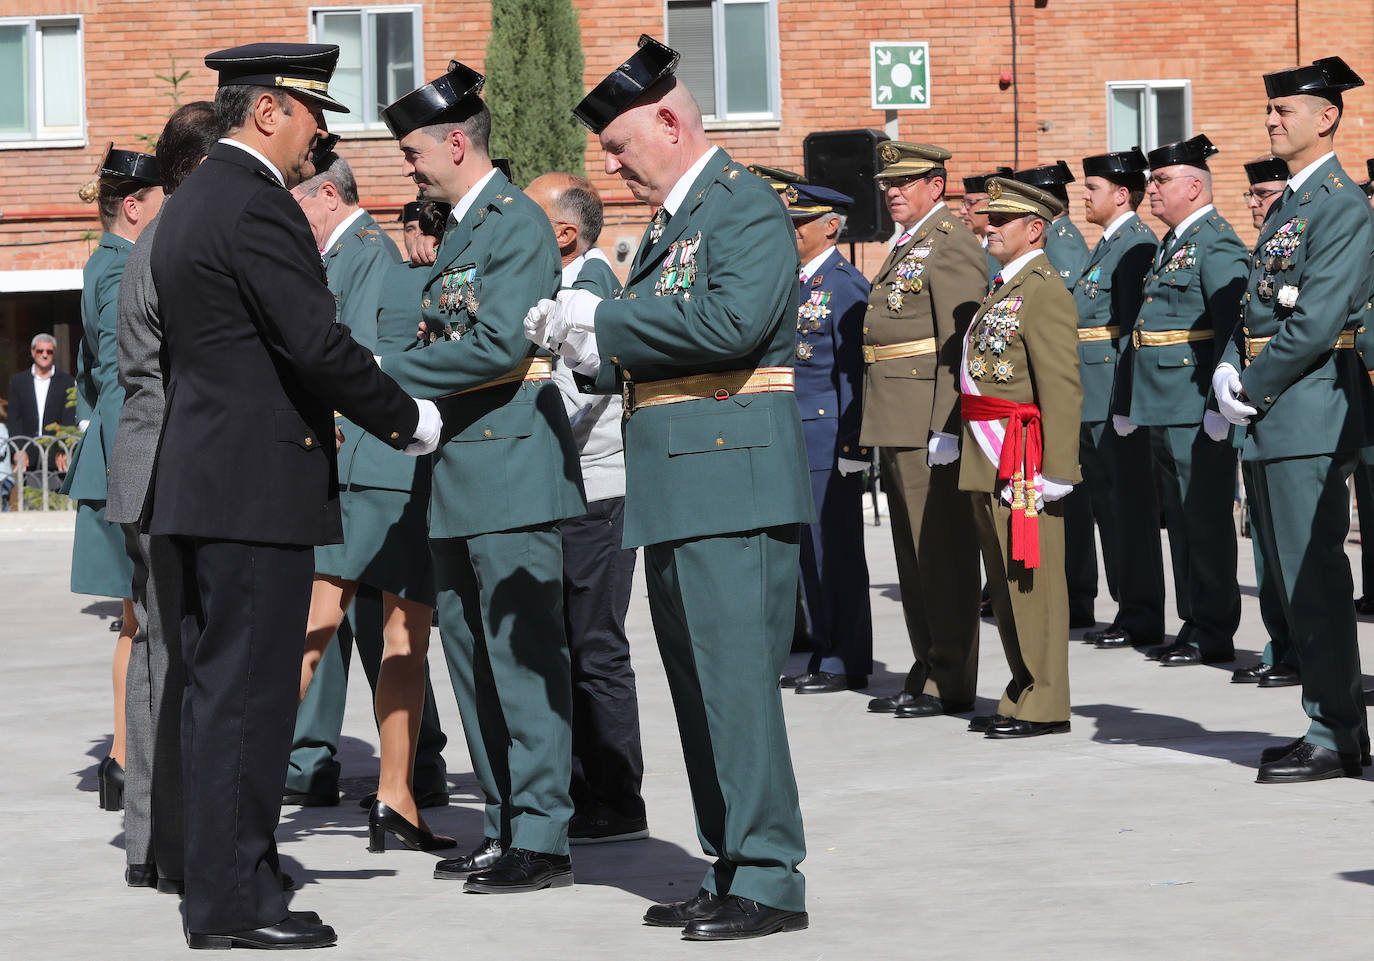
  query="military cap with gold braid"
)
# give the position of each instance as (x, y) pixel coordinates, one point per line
(813, 200)
(776, 177)
(1009, 196)
(900, 159)
(302, 68)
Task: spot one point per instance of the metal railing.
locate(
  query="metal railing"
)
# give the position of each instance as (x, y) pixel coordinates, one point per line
(37, 466)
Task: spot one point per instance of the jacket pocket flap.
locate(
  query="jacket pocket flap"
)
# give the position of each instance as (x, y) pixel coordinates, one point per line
(697, 433)
(292, 429)
(512, 420)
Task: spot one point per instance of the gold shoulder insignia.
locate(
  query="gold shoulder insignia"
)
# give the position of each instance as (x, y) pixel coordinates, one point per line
(1307, 195)
(725, 168)
(506, 200)
(945, 225)
(734, 174)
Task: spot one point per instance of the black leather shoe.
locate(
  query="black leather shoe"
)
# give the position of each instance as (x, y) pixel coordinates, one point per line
(141, 875)
(311, 799)
(430, 799)
(1092, 637)
(887, 705)
(604, 827)
(1183, 654)
(787, 681)
(1112, 639)
(482, 857)
(1157, 651)
(738, 918)
(1251, 674)
(1271, 754)
(110, 777)
(1281, 675)
(928, 705)
(383, 820)
(294, 932)
(520, 871)
(822, 682)
(1010, 727)
(675, 914)
(116, 625)
(980, 723)
(1365, 605)
(1308, 762)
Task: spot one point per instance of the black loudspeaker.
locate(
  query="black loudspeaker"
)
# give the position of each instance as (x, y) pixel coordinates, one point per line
(846, 160)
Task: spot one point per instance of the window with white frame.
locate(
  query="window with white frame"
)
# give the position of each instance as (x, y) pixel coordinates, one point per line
(42, 76)
(1148, 113)
(380, 58)
(729, 55)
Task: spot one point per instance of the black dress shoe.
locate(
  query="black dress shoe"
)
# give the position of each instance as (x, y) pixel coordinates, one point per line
(430, 799)
(787, 681)
(822, 682)
(1092, 637)
(887, 705)
(1308, 762)
(1157, 651)
(1251, 674)
(383, 820)
(140, 875)
(675, 914)
(1010, 727)
(605, 827)
(311, 799)
(1365, 605)
(1271, 754)
(741, 918)
(980, 723)
(1112, 639)
(482, 857)
(1183, 654)
(294, 932)
(1281, 675)
(117, 625)
(928, 705)
(110, 777)
(520, 871)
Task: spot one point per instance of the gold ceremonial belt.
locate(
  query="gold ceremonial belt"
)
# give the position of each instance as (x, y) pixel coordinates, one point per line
(907, 348)
(675, 390)
(1169, 338)
(1086, 334)
(1253, 345)
(530, 370)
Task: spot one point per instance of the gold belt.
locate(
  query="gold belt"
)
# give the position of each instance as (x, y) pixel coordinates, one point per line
(907, 348)
(1169, 338)
(719, 386)
(1253, 345)
(530, 370)
(1086, 334)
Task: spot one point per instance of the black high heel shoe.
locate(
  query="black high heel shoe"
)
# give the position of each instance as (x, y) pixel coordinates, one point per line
(110, 777)
(382, 819)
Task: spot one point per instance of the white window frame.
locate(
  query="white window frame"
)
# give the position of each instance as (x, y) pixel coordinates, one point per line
(1146, 87)
(417, 12)
(36, 137)
(768, 118)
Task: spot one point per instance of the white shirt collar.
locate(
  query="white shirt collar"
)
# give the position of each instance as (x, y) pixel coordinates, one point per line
(1115, 225)
(1010, 271)
(814, 264)
(33, 369)
(1296, 180)
(461, 208)
(573, 270)
(1193, 218)
(679, 192)
(249, 150)
(339, 230)
(918, 224)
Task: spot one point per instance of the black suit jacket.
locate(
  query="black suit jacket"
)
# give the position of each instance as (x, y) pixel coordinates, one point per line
(255, 365)
(23, 419)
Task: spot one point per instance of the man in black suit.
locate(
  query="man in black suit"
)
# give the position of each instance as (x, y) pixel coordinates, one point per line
(41, 380)
(245, 476)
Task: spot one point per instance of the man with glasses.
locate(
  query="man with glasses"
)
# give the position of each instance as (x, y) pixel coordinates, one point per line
(1064, 244)
(38, 400)
(1191, 299)
(922, 300)
(1267, 176)
(971, 212)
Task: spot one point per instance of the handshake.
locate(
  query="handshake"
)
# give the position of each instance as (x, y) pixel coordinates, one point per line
(567, 326)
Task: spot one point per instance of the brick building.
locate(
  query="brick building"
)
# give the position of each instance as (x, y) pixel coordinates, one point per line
(1010, 82)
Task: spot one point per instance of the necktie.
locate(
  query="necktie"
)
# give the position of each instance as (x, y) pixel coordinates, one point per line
(656, 226)
(801, 276)
(906, 235)
(1283, 198)
(1165, 245)
(996, 282)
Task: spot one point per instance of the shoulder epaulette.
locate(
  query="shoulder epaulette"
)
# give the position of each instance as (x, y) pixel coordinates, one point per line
(944, 226)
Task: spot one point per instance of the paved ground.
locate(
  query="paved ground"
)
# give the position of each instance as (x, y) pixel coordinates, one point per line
(1140, 835)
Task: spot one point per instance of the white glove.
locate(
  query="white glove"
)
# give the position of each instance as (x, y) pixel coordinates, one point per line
(847, 466)
(1227, 386)
(572, 330)
(1216, 426)
(1052, 490)
(943, 449)
(84, 424)
(1122, 424)
(537, 323)
(427, 430)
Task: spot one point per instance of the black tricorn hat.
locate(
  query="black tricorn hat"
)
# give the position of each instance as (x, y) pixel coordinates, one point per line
(452, 97)
(978, 184)
(1325, 78)
(411, 211)
(1114, 166)
(302, 68)
(1193, 152)
(1050, 175)
(625, 84)
(125, 171)
(1263, 171)
(1369, 168)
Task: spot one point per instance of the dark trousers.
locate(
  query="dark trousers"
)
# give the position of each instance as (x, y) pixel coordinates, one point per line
(1085, 508)
(1364, 503)
(607, 763)
(1279, 649)
(834, 576)
(247, 607)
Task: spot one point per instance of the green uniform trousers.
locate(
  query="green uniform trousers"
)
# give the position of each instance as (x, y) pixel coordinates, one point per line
(1032, 610)
(500, 601)
(1085, 508)
(1278, 649)
(1305, 514)
(722, 609)
(1197, 484)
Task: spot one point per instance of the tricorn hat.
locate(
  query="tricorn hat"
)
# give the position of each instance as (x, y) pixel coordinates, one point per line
(452, 97)
(626, 83)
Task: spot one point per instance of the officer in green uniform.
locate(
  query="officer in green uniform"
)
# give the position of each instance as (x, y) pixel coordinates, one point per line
(506, 473)
(1191, 301)
(1064, 244)
(1117, 490)
(1290, 377)
(971, 212)
(701, 342)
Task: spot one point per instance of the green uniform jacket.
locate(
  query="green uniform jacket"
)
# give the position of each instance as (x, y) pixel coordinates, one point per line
(596, 275)
(354, 268)
(1067, 250)
(1108, 294)
(705, 467)
(1196, 285)
(507, 460)
(945, 279)
(1311, 398)
(98, 394)
(1038, 365)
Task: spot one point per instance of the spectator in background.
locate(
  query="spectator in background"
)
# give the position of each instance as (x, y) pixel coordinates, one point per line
(6, 462)
(38, 404)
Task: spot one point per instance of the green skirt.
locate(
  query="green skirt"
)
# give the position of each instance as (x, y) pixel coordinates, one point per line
(385, 545)
(100, 564)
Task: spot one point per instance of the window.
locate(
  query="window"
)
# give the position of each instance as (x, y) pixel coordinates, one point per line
(1147, 113)
(729, 55)
(380, 58)
(41, 73)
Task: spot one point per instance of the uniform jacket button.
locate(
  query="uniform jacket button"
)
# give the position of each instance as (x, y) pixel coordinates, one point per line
(395, 435)
(425, 303)
(310, 442)
(487, 432)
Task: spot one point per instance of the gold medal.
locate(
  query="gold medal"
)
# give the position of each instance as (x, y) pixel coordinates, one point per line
(804, 351)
